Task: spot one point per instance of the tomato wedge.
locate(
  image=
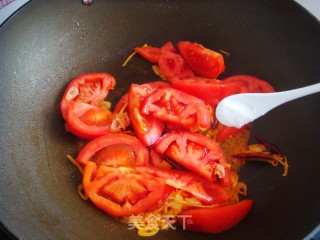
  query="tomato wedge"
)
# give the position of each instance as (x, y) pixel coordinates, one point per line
(171, 105)
(250, 84)
(207, 192)
(147, 128)
(173, 65)
(81, 105)
(202, 61)
(212, 91)
(115, 149)
(197, 153)
(122, 191)
(149, 53)
(218, 219)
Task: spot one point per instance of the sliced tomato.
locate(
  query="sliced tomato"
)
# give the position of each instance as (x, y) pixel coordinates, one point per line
(171, 105)
(173, 65)
(168, 47)
(81, 105)
(202, 61)
(250, 84)
(122, 191)
(212, 91)
(149, 53)
(207, 192)
(115, 149)
(147, 128)
(198, 153)
(214, 220)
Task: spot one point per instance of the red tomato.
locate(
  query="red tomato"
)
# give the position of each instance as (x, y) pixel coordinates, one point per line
(147, 128)
(249, 84)
(81, 105)
(173, 65)
(212, 91)
(202, 61)
(195, 152)
(224, 132)
(149, 53)
(115, 149)
(207, 192)
(214, 220)
(171, 105)
(168, 47)
(122, 191)
(152, 53)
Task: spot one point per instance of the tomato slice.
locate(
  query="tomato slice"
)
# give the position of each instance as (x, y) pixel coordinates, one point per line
(173, 65)
(218, 219)
(207, 192)
(202, 61)
(168, 47)
(147, 128)
(81, 105)
(122, 191)
(171, 105)
(149, 53)
(115, 149)
(250, 84)
(212, 91)
(198, 153)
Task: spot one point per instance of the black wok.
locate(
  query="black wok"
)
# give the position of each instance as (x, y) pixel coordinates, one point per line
(47, 43)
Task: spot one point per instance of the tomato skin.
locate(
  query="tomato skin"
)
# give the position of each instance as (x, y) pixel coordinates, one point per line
(122, 192)
(139, 151)
(171, 105)
(216, 219)
(202, 61)
(81, 105)
(205, 191)
(195, 152)
(147, 128)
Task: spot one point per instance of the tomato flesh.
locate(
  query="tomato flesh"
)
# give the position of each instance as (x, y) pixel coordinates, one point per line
(218, 219)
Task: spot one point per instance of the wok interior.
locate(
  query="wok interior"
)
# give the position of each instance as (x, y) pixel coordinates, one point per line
(48, 43)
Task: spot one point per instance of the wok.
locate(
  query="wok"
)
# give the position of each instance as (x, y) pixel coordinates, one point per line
(49, 42)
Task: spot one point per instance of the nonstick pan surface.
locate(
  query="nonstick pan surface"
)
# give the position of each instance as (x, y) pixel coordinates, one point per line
(49, 42)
